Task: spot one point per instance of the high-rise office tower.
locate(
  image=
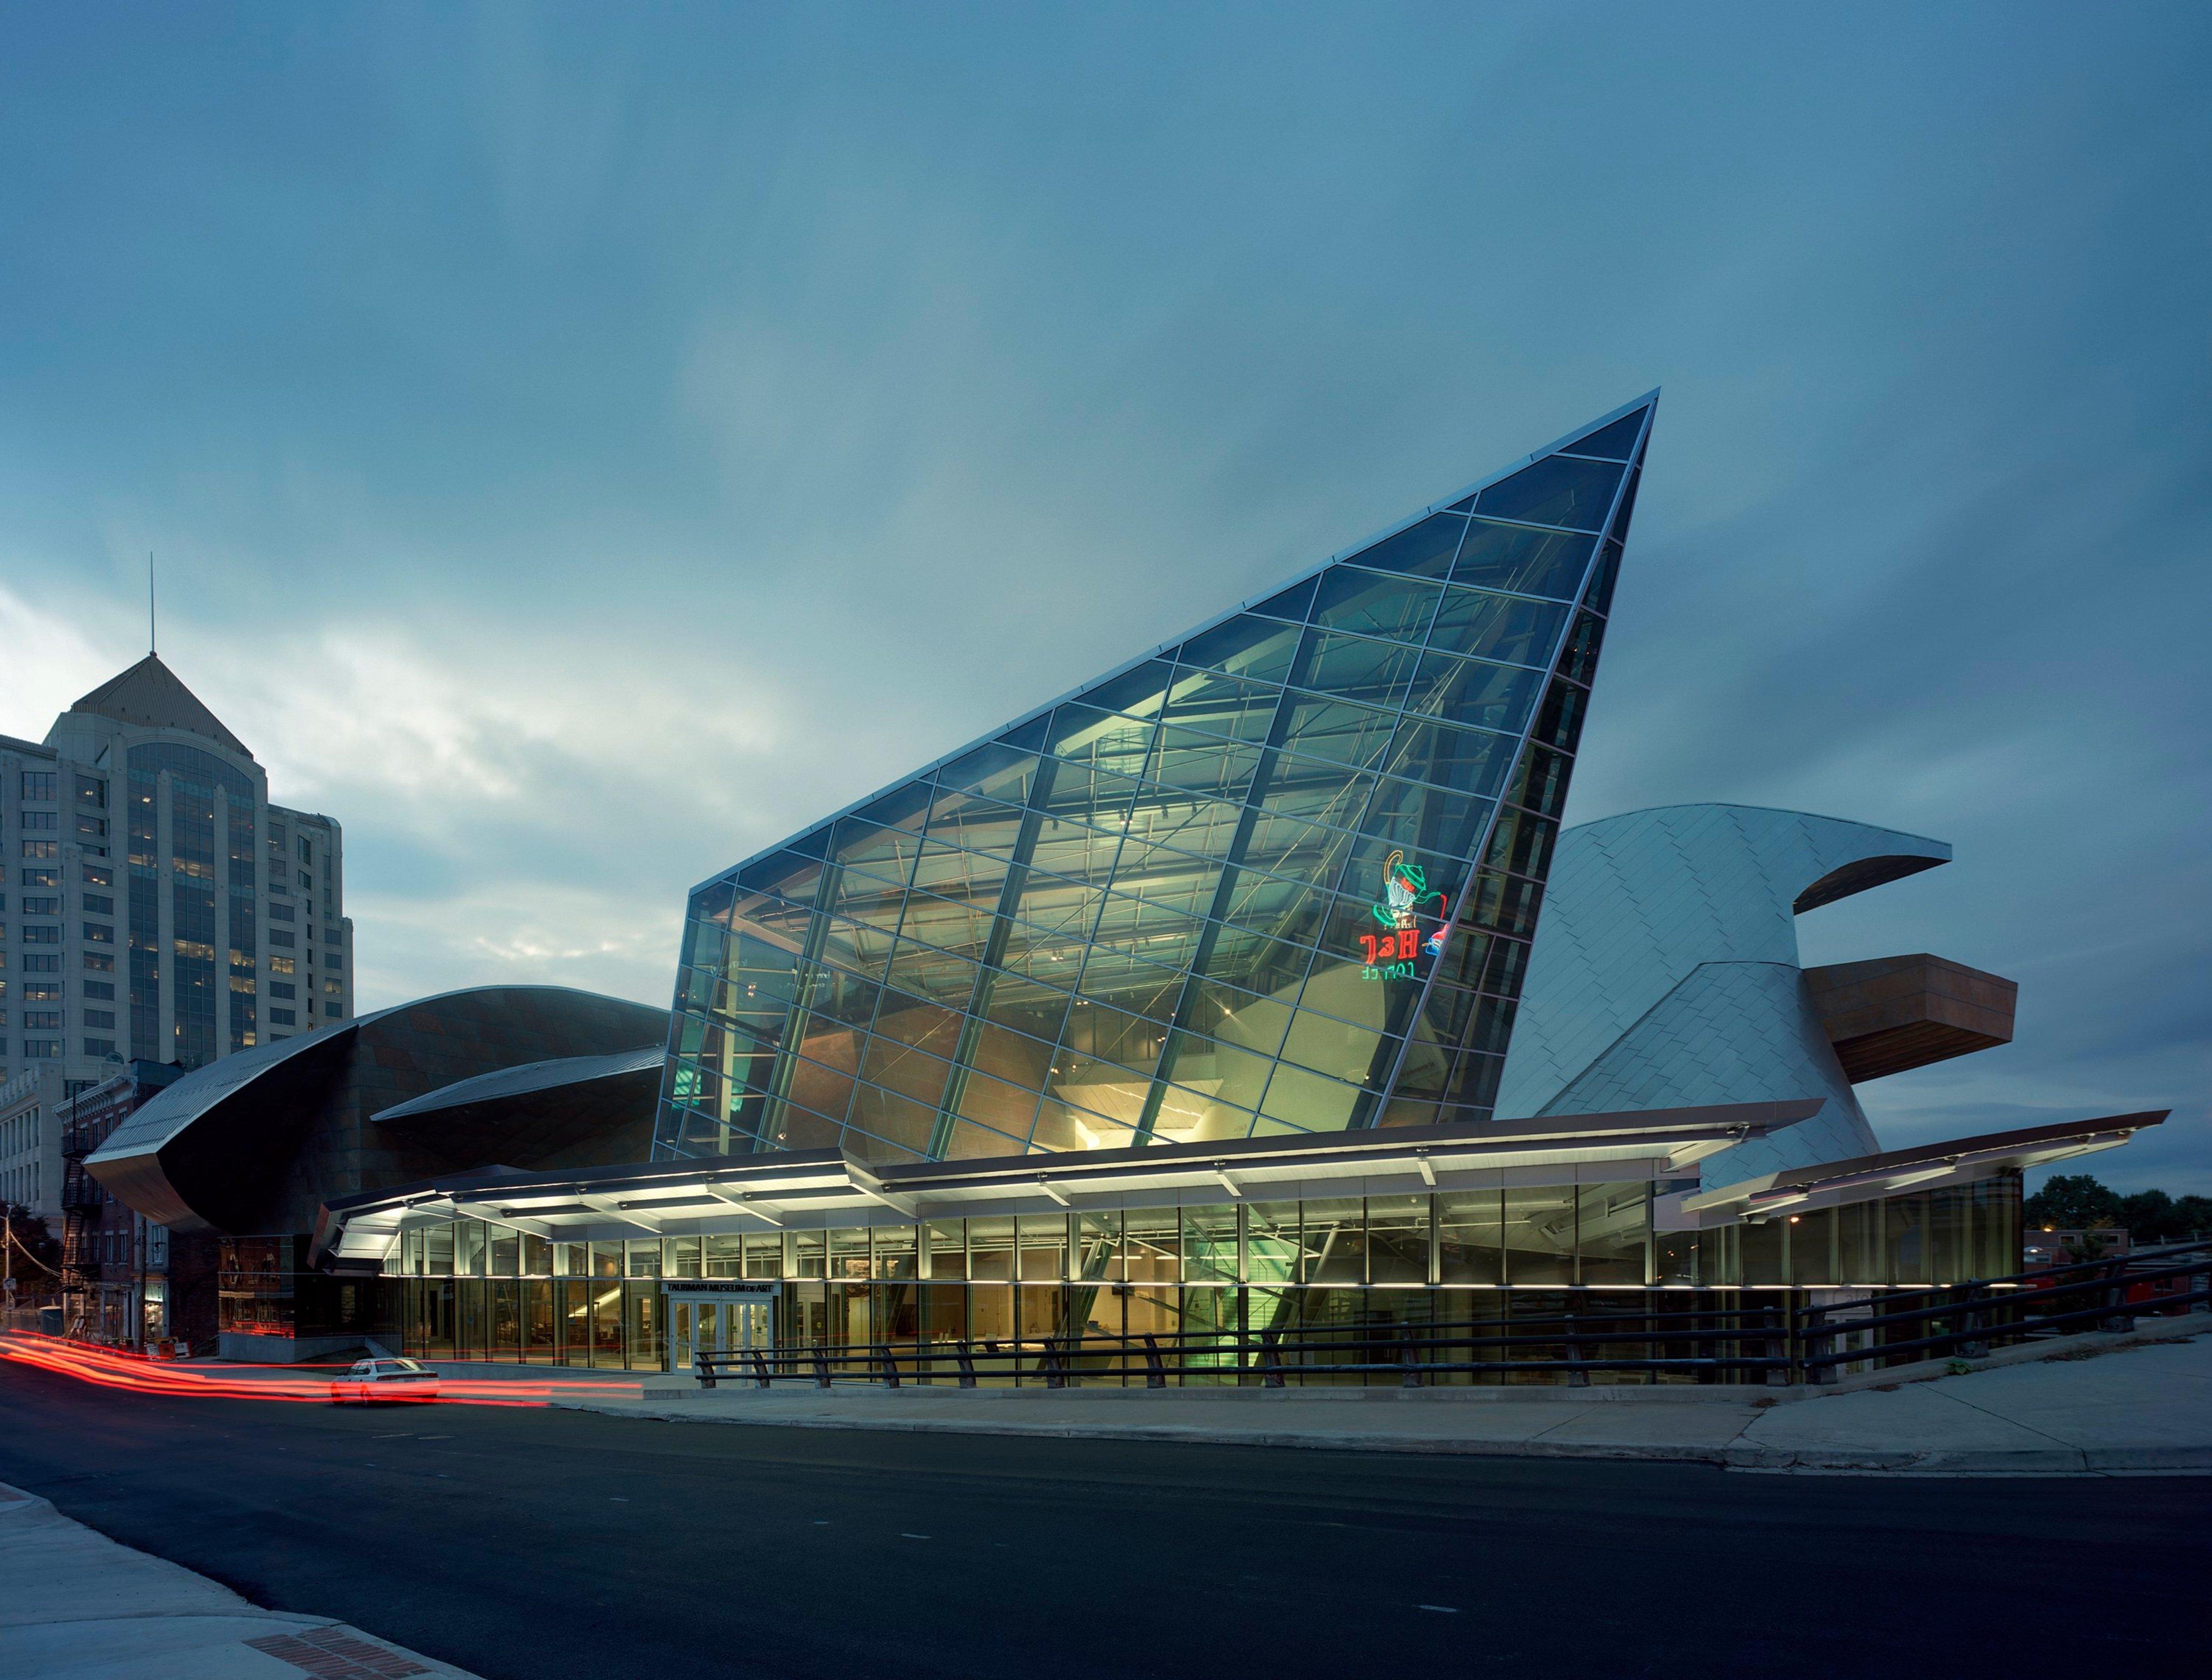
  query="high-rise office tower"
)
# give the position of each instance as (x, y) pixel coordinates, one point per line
(156, 906)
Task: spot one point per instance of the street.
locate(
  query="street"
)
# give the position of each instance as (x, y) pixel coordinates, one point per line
(547, 1544)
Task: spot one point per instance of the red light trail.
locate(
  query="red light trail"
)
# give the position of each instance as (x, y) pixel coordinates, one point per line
(108, 1368)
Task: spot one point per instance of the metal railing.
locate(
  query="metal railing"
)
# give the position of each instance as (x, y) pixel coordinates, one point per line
(1968, 1319)
(1772, 1344)
(1714, 1344)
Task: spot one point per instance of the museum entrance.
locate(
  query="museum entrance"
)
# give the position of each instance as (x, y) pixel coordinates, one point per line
(709, 1316)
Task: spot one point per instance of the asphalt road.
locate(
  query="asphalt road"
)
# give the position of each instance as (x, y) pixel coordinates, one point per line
(547, 1544)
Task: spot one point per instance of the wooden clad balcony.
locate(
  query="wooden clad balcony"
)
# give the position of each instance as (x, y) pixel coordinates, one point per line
(1891, 1013)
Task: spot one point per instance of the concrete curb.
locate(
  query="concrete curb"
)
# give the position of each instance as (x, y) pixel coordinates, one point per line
(2051, 1461)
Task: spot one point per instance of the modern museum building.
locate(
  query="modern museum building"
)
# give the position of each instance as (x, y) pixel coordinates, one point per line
(1253, 987)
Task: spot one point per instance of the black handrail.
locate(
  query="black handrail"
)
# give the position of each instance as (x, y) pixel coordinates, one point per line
(1714, 1342)
(1981, 1311)
(1411, 1352)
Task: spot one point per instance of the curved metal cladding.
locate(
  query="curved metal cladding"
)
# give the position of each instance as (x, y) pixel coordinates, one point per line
(1277, 876)
(580, 1110)
(255, 1143)
(1665, 973)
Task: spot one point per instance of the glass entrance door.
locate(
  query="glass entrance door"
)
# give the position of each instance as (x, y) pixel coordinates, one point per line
(745, 1323)
(706, 1325)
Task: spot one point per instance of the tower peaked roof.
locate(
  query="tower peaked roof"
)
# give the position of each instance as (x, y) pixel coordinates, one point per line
(151, 696)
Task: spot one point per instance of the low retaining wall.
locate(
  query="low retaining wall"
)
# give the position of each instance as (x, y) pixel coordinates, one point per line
(284, 1350)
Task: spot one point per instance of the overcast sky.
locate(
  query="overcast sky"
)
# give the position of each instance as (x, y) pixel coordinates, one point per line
(584, 445)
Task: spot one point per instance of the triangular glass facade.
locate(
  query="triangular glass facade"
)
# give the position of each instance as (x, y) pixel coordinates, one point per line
(1278, 877)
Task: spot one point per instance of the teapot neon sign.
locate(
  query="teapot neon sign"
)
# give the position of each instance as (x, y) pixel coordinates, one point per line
(1390, 954)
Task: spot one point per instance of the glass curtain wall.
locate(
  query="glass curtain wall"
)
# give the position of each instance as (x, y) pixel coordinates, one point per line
(1278, 879)
(473, 1291)
(212, 942)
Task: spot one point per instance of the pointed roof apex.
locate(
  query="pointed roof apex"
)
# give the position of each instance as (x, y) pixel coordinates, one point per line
(150, 696)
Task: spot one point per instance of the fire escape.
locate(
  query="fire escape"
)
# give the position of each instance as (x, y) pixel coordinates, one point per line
(83, 1198)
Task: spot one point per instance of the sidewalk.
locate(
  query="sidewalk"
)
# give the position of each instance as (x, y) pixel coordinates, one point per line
(82, 1605)
(2099, 1405)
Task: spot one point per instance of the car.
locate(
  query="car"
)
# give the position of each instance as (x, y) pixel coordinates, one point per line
(371, 1380)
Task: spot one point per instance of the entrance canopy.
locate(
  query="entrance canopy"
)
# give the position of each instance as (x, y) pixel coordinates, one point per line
(825, 1188)
(1931, 1166)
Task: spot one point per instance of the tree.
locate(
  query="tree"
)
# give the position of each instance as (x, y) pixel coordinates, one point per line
(2076, 1202)
(2149, 1215)
(2072, 1201)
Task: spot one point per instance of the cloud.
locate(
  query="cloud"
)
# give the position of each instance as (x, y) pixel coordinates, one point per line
(47, 656)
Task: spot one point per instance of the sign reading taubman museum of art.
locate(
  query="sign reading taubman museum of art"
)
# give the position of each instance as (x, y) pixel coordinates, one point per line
(747, 1290)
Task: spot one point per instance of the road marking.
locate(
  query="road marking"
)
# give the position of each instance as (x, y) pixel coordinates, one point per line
(619, 1500)
(1441, 1610)
(914, 1537)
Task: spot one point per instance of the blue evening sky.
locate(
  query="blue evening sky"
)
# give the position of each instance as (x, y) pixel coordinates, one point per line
(583, 444)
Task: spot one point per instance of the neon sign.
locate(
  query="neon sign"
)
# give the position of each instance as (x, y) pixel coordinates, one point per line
(1391, 954)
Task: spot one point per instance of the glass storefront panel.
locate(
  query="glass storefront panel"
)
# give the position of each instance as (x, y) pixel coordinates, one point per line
(649, 1346)
(1044, 1247)
(1470, 1236)
(1151, 1246)
(991, 1311)
(432, 1330)
(896, 1309)
(1539, 1223)
(851, 1320)
(1612, 1230)
(948, 1249)
(1950, 1233)
(506, 1321)
(1996, 1226)
(892, 1251)
(807, 1253)
(1759, 1252)
(1905, 1238)
(1209, 1244)
(763, 1256)
(1041, 1308)
(1335, 1240)
(606, 1309)
(538, 1321)
(848, 1255)
(1397, 1239)
(469, 1343)
(945, 1313)
(573, 1298)
(991, 1248)
(1813, 1244)
(1674, 1258)
(1099, 1246)
(1272, 1242)
(1858, 1243)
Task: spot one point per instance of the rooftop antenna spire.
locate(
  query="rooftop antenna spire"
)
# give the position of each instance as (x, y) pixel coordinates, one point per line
(152, 645)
